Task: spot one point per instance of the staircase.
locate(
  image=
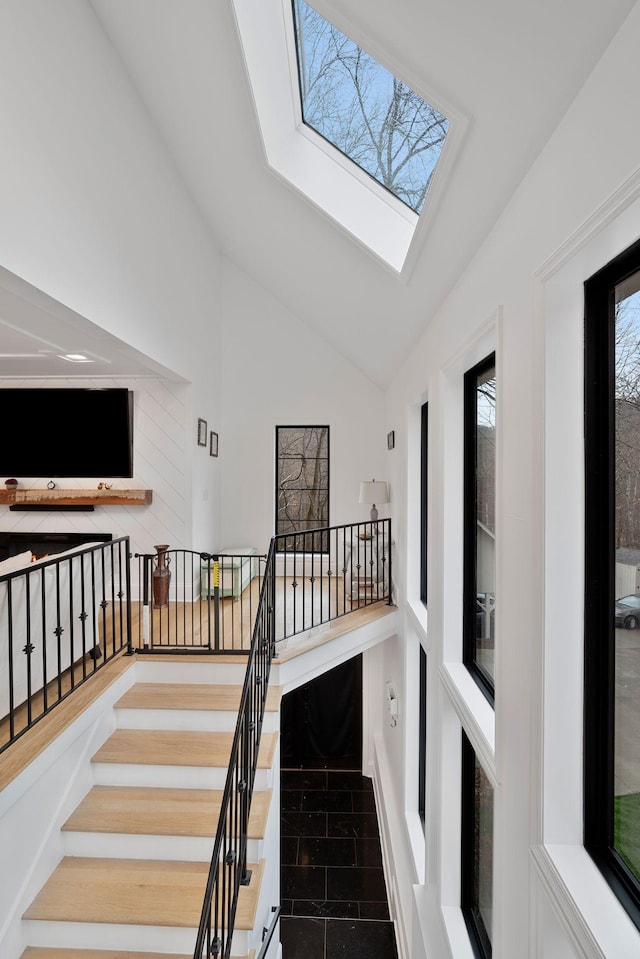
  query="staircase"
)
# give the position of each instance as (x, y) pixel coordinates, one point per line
(139, 845)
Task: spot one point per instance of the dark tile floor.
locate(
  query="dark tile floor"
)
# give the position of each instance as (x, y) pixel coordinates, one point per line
(334, 900)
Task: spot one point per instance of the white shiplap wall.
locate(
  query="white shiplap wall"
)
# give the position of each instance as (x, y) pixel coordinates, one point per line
(162, 421)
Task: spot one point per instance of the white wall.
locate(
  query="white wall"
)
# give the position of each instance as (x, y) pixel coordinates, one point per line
(92, 212)
(276, 371)
(579, 195)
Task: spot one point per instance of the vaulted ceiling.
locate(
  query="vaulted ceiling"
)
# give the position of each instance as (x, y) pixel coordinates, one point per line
(511, 68)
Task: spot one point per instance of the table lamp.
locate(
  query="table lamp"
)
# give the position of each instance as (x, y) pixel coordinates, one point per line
(373, 491)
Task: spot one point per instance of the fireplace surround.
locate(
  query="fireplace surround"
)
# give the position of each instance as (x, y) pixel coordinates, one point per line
(44, 543)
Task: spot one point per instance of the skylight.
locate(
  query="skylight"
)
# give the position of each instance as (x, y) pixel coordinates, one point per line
(368, 114)
(338, 176)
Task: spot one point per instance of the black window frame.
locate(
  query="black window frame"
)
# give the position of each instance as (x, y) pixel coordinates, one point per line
(424, 498)
(318, 544)
(478, 933)
(470, 528)
(422, 735)
(599, 625)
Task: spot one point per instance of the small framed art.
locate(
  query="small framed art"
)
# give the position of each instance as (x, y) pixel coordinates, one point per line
(202, 432)
(213, 444)
(391, 439)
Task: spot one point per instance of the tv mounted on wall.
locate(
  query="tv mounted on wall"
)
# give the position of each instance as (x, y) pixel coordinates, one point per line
(49, 433)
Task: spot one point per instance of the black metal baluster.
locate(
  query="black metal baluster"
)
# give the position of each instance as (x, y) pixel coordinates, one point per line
(43, 640)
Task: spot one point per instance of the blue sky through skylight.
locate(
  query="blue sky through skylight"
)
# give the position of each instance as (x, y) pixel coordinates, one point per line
(364, 111)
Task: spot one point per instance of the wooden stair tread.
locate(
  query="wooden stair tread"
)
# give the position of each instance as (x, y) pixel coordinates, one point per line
(177, 748)
(144, 810)
(191, 696)
(42, 952)
(134, 892)
(201, 656)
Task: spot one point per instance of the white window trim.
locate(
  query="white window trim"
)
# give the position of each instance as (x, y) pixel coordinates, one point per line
(586, 906)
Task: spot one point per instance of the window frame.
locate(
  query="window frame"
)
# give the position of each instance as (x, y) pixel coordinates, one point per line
(422, 735)
(599, 587)
(314, 426)
(478, 934)
(470, 529)
(424, 498)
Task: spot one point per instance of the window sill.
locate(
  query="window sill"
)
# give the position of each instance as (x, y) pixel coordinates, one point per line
(475, 713)
(420, 616)
(417, 842)
(590, 913)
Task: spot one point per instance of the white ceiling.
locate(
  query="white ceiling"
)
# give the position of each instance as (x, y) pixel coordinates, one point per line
(511, 67)
(36, 332)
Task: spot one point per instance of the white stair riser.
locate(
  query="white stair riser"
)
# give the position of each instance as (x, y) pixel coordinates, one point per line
(171, 777)
(81, 935)
(193, 720)
(126, 846)
(193, 672)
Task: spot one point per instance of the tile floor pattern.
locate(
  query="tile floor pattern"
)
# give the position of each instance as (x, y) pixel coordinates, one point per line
(333, 894)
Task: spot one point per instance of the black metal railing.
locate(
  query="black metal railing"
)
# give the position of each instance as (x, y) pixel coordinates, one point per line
(324, 574)
(345, 568)
(268, 931)
(229, 868)
(197, 601)
(61, 619)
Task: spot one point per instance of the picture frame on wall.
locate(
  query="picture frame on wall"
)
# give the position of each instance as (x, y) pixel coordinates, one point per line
(391, 439)
(202, 432)
(213, 444)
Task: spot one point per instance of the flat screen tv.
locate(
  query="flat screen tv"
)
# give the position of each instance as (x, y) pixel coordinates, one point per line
(49, 433)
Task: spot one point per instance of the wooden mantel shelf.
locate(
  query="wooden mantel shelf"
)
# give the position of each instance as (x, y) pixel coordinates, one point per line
(76, 497)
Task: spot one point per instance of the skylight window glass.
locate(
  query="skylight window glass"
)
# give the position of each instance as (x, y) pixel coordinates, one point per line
(364, 111)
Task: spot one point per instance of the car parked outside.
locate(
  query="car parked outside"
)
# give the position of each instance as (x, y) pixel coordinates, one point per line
(628, 611)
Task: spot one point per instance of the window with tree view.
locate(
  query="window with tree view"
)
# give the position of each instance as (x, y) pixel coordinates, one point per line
(612, 610)
(302, 485)
(480, 522)
(368, 114)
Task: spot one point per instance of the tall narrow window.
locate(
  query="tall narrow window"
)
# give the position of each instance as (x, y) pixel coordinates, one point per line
(424, 501)
(480, 523)
(476, 893)
(422, 738)
(612, 557)
(302, 480)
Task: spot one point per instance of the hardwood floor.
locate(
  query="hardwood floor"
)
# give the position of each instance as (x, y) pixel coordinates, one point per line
(304, 605)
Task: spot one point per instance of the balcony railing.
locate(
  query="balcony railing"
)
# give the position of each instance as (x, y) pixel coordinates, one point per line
(61, 620)
(208, 601)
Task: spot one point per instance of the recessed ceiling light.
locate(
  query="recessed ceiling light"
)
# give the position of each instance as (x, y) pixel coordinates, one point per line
(75, 357)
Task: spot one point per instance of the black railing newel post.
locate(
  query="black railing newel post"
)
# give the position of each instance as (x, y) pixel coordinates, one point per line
(127, 555)
(390, 602)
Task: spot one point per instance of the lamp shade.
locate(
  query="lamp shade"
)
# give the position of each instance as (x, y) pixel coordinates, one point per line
(373, 491)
